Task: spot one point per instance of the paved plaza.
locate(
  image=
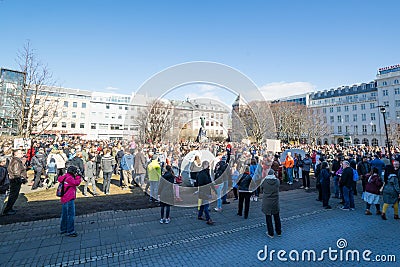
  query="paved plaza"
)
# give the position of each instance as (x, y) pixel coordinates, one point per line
(136, 238)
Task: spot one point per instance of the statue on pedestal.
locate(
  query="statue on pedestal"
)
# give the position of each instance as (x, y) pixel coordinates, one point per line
(202, 136)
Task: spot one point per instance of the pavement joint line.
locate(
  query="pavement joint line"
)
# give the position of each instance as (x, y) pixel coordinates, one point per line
(176, 242)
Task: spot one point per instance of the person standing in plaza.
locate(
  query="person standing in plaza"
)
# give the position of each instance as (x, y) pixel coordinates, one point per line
(346, 181)
(127, 162)
(270, 203)
(90, 173)
(244, 192)
(306, 171)
(364, 169)
(391, 193)
(4, 182)
(107, 165)
(17, 175)
(71, 180)
(140, 165)
(289, 163)
(372, 191)
(325, 180)
(154, 173)
(51, 173)
(205, 185)
(166, 193)
(38, 164)
(335, 167)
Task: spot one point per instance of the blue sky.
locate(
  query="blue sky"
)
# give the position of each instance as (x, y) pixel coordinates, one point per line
(285, 47)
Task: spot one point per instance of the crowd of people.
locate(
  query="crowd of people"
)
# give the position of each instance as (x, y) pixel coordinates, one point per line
(247, 170)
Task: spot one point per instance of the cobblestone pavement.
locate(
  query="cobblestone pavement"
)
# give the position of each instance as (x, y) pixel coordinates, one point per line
(136, 238)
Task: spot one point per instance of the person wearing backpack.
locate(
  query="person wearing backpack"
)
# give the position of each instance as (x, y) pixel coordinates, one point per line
(4, 182)
(71, 180)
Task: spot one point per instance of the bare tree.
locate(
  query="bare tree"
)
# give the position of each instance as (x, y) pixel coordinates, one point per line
(155, 121)
(37, 103)
(295, 122)
(257, 121)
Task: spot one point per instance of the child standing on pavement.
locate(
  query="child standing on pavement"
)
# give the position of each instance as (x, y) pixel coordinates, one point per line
(71, 180)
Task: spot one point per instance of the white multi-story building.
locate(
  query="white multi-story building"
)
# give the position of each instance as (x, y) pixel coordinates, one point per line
(388, 83)
(351, 112)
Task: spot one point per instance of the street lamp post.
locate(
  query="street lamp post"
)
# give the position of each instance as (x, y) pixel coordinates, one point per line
(382, 109)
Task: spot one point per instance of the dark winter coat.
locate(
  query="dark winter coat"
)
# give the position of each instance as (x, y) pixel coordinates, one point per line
(347, 177)
(4, 181)
(270, 199)
(391, 190)
(204, 183)
(244, 182)
(165, 188)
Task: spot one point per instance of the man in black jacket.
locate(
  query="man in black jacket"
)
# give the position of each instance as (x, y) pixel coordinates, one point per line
(335, 168)
(363, 168)
(347, 182)
(204, 183)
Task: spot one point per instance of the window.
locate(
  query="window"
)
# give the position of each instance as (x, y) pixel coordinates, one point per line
(397, 114)
(324, 110)
(355, 127)
(339, 118)
(221, 124)
(119, 117)
(346, 118)
(372, 116)
(54, 124)
(212, 123)
(347, 129)
(83, 115)
(364, 129)
(55, 114)
(397, 91)
(362, 106)
(384, 83)
(106, 115)
(126, 108)
(332, 119)
(331, 109)
(338, 109)
(107, 106)
(103, 126)
(363, 117)
(371, 105)
(45, 113)
(64, 114)
(72, 125)
(397, 103)
(346, 108)
(63, 124)
(93, 126)
(66, 104)
(386, 103)
(83, 105)
(385, 92)
(113, 116)
(74, 115)
(37, 101)
(339, 129)
(373, 128)
(355, 117)
(396, 82)
(354, 107)
(74, 104)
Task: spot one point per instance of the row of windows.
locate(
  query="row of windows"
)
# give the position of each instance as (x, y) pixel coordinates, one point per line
(386, 91)
(346, 108)
(347, 118)
(74, 104)
(385, 83)
(364, 129)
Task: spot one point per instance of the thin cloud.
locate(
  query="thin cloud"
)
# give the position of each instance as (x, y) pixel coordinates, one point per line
(272, 91)
(110, 88)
